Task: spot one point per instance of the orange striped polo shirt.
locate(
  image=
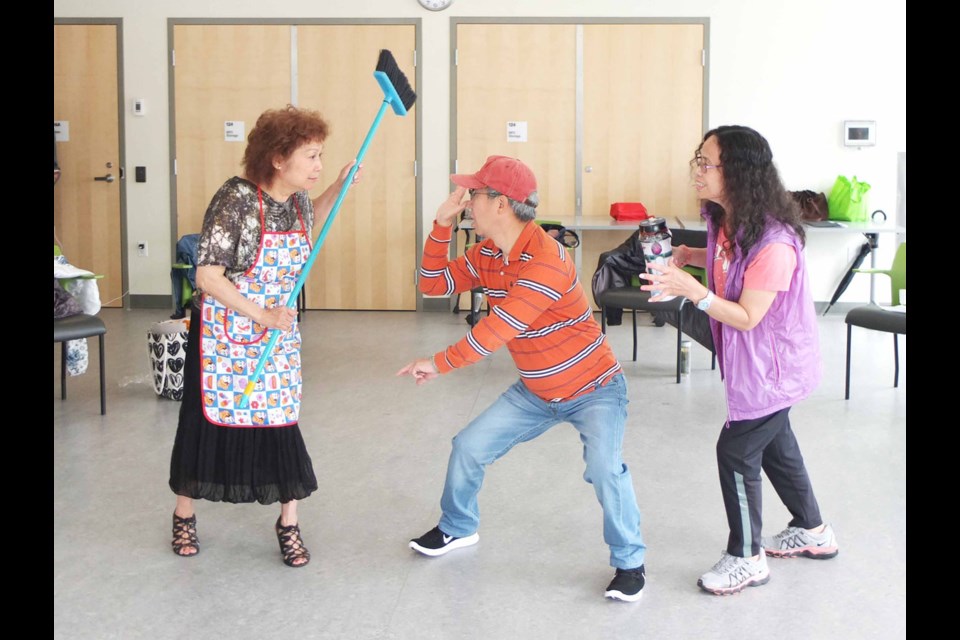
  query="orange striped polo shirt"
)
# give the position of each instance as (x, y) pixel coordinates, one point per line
(537, 309)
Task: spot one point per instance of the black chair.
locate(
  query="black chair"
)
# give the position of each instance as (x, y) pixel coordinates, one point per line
(878, 319)
(672, 311)
(75, 328)
(633, 298)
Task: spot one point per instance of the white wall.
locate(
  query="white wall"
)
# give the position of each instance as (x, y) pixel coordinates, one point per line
(793, 71)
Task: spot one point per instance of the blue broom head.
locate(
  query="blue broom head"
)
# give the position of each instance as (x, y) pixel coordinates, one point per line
(396, 88)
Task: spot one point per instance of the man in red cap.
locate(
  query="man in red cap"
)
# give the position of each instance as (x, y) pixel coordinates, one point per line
(568, 373)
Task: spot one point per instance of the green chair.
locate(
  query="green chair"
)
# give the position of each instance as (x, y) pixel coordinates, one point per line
(897, 273)
(877, 318)
(186, 289)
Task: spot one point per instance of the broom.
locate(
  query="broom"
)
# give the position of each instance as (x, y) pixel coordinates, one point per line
(400, 96)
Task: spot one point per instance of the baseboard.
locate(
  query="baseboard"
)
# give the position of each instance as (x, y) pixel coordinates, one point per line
(437, 304)
(140, 301)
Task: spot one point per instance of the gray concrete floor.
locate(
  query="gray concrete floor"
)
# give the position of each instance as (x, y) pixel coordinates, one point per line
(380, 445)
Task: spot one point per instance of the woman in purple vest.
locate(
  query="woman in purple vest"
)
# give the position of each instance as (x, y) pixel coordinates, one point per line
(765, 331)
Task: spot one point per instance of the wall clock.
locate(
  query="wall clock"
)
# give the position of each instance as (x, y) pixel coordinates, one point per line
(435, 5)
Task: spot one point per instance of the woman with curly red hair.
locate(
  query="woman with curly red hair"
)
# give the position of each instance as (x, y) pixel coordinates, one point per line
(255, 240)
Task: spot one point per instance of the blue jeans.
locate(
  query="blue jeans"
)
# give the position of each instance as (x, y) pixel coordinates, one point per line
(519, 416)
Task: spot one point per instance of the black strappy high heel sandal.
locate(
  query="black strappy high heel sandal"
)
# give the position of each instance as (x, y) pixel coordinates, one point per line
(185, 536)
(291, 545)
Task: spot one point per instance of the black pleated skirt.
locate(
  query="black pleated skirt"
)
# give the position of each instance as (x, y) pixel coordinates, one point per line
(234, 464)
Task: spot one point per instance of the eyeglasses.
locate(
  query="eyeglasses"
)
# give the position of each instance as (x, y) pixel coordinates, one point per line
(699, 164)
(476, 192)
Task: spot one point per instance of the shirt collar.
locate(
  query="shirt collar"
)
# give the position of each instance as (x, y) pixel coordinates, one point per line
(522, 241)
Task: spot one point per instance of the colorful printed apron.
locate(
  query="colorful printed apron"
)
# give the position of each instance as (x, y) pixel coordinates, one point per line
(231, 343)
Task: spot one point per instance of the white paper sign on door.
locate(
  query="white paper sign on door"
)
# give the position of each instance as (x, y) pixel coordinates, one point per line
(516, 131)
(61, 130)
(234, 131)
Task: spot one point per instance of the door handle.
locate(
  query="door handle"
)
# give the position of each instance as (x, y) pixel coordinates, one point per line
(107, 178)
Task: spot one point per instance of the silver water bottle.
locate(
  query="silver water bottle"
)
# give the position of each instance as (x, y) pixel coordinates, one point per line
(655, 240)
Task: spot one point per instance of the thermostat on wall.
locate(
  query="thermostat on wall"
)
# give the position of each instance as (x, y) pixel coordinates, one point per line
(859, 133)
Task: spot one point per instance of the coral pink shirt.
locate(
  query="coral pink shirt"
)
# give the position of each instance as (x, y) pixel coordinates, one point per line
(770, 270)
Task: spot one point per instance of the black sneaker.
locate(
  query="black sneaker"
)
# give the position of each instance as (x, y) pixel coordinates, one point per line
(437, 543)
(627, 585)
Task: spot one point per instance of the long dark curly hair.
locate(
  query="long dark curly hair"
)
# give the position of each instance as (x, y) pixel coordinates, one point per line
(752, 188)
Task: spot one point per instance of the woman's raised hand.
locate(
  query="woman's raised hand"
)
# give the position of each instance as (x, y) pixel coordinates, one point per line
(346, 171)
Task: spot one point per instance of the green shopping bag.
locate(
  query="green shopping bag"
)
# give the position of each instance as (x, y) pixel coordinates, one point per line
(847, 200)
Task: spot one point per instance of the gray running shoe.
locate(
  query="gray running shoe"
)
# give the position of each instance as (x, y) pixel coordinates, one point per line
(733, 574)
(794, 542)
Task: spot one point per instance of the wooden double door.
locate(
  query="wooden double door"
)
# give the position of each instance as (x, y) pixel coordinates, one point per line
(232, 73)
(612, 112)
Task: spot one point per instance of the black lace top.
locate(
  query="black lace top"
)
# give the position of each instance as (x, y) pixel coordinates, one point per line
(231, 226)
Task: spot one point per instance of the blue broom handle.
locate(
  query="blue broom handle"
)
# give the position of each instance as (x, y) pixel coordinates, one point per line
(292, 298)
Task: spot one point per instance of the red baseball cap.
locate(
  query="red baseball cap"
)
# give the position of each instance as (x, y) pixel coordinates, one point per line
(506, 175)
